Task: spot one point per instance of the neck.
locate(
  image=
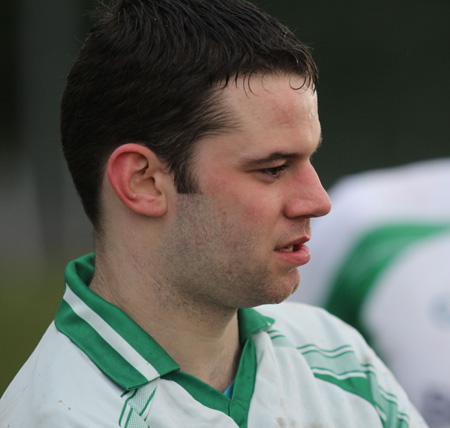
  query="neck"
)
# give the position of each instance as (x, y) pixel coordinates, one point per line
(202, 339)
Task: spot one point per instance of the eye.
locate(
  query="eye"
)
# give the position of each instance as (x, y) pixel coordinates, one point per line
(276, 171)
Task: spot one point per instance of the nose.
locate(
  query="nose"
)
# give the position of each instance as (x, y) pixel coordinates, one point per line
(308, 197)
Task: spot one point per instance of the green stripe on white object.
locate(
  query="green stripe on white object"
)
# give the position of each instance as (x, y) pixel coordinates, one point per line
(341, 367)
(366, 261)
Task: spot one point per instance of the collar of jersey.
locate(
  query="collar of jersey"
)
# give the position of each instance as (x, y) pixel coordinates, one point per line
(112, 340)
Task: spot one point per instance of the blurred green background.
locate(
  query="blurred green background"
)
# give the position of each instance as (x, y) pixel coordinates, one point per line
(384, 100)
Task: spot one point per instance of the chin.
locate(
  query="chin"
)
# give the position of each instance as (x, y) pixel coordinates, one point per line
(279, 294)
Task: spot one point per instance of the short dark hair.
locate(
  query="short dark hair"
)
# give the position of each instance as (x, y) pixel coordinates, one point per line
(148, 72)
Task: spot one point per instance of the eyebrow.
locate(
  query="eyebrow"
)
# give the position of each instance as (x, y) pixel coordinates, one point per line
(274, 156)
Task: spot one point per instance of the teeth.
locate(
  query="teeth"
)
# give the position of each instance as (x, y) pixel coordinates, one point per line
(287, 249)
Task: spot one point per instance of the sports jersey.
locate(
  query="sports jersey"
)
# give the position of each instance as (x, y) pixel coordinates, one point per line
(381, 263)
(300, 366)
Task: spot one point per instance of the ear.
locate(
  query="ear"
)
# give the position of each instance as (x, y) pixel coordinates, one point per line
(138, 177)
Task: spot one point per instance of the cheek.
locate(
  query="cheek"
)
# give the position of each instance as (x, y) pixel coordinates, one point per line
(244, 200)
(250, 207)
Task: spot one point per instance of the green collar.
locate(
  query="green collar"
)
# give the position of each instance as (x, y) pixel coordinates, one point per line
(112, 340)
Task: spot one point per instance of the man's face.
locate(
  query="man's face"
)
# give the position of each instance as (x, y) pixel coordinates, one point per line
(238, 242)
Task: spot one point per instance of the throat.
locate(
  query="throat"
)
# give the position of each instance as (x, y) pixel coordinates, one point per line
(211, 359)
(221, 376)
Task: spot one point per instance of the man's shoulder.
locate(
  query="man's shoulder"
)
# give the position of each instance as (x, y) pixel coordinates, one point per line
(306, 341)
(57, 383)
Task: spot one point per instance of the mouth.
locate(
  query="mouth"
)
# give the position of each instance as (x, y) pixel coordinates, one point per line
(293, 246)
(289, 248)
(294, 253)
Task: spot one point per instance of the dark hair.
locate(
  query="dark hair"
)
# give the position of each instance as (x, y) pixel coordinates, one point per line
(148, 72)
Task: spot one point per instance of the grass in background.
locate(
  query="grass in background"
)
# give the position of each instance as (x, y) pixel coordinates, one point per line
(28, 304)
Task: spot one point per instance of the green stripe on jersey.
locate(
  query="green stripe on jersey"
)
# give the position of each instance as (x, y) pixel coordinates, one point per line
(363, 265)
(78, 275)
(104, 332)
(137, 406)
(279, 340)
(99, 350)
(342, 368)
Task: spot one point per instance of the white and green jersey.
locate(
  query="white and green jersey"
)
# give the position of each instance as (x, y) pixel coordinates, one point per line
(300, 367)
(380, 261)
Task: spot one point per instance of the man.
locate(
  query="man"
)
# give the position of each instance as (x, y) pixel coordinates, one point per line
(188, 127)
(387, 273)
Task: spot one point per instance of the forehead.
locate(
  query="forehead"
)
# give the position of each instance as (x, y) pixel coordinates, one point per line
(271, 99)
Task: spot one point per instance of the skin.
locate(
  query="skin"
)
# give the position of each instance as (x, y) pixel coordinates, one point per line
(181, 265)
